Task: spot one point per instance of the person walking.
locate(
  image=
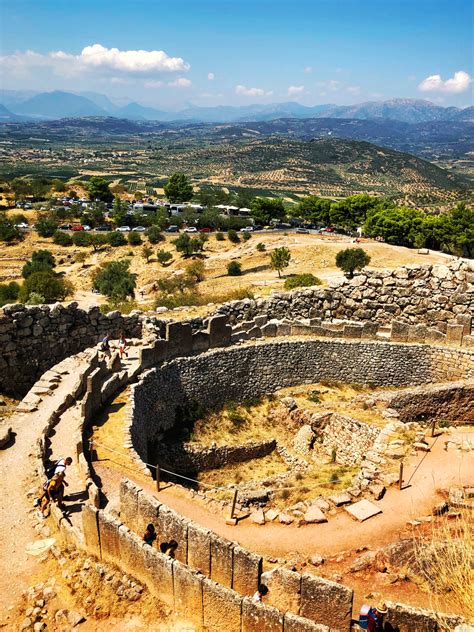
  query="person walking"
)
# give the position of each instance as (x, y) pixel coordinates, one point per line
(375, 617)
(105, 345)
(122, 345)
(53, 491)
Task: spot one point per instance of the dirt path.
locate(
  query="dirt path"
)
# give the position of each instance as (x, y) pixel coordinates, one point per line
(16, 466)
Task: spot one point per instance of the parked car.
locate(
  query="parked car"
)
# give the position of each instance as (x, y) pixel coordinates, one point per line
(87, 227)
(77, 227)
(190, 229)
(139, 229)
(22, 225)
(302, 230)
(206, 229)
(172, 229)
(65, 227)
(246, 229)
(104, 228)
(123, 229)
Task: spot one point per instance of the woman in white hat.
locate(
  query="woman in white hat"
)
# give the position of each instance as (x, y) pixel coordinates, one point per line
(375, 617)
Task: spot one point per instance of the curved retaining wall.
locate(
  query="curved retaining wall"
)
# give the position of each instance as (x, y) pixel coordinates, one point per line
(167, 395)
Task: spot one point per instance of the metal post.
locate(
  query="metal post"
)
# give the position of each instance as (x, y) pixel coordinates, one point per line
(158, 478)
(433, 424)
(400, 477)
(231, 520)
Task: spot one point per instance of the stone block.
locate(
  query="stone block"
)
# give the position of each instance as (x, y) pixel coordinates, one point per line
(129, 504)
(258, 617)
(314, 515)
(352, 331)
(283, 329)
(363, 510)
(180, 339)
(219, 331)
(369, 330)
(188, 589)
(132, 557)
(434, 336)
(171, 526)
(324, 601)
(301, 330)
(109, 537)
(399, 331)
(269, 330)
(199, 549)
(416, 333)
(407, 619)
(454, 334)
(90, 527)
(284, 589)
(222, 608)
(148, 509)
(221, 561)
(468, 341)
(466, 321)
(294, 623)
(201, 341)
(159, 574)
(247, 568)
(342, 498)
(154, 354)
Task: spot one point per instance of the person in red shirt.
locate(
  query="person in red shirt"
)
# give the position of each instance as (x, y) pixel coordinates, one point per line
(375, 617)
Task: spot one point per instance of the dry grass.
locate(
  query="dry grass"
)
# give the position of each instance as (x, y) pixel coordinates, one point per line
(445, 560)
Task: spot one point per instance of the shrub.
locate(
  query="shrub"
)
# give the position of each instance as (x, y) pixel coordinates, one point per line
(46, 227)
(220, 236)
(134, 238)
(60, 238)
(8, 231)
(163, 256)
(246, 236)
(261, 247)
(352, 259)
(196, 270)
(115, 281)
(41, 261)
(116, 239)
(35, 299)
(233, 236)
(47, 285)
(234, 268)
(81, 238)
(146, 253)
(154, 235)
(8, 292)
(301, 280)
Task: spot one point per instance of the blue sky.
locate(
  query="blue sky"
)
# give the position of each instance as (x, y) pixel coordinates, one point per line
(241, 51)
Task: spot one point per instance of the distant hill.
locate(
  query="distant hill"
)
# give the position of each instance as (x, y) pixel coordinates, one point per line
(56, 105)
(52, 105)
(9, 117)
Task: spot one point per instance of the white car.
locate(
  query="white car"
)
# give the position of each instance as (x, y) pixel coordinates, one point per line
(191, 229)
(139, 229)
(86, 227)
(22, 225)
(246, 229)
(123, 229)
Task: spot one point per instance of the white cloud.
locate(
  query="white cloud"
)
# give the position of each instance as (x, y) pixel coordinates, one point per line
(96, 57)
(180, 82)
(153, 84)
(211, 76)
(353, 90)
(459, 82)
(308, 70)
(294, 90)
(252, 92)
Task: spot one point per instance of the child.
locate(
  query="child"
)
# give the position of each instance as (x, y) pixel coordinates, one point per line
(150, 534)
(122, 344)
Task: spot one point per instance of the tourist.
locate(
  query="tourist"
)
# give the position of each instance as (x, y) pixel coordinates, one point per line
(53, 491)
(105, 345)
(375, 617)
(261, 592)
(169, 548)
(60, 466)
(122, 345)
(150, 534)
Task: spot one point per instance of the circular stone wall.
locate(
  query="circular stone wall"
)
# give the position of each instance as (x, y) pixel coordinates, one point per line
(169, 394)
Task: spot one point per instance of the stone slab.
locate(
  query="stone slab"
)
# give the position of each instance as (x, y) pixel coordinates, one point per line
(199, 549)
(343, 498)
(247, 568)
(257, 617)
(221, 561)
(363, 510)
(284, 589)
(221, 608)
(187, 594)
(324, 601)
(314, 515)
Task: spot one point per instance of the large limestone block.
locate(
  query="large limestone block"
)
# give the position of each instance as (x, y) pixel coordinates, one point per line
(221, 561)
(90, 527)
(220, 331)
(188, 589)
(326, 602)
(247, 571)
(399, 331)
(148, 509)
(132, 556)
(454, 334)
(129, 504)
(180, 339)
(407, 619)
(109, 537)
(284, 589)
(294, 623)
(222, 608)
(171, 526)
(258, 617)
(199, 549)
(158, 570)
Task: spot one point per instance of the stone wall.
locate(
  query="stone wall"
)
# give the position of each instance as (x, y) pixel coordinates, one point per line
(33, 339)
(421, 294)
(166, 396)
(350, 439)
(192, 458)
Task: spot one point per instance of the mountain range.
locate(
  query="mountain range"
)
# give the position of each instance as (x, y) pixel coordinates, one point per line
(17, 106)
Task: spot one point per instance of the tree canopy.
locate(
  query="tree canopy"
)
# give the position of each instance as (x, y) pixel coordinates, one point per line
(351, 259)
(115, 281)
(98, 189)
(263, 210)
(280, 259)
(178, 189)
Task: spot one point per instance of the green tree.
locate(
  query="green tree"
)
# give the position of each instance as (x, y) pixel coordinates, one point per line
(60, 238)
(116, 239)
(154, 235)
(178, 189)
(352, 211)
(46, 284)
(41, 261)
(185, 245)
(119, 211)
(313, 209)
(220, 236)
(146, 253)
(234, 268)
(263, 210)
(115, 281)
(46, 227)
(97, 241)
(58, 185)
(8, 292)
(352, 259)
(163, 257)
(98, 189)
(233, 236)
(20, 188)
(196, 270)
(261, 247)
(81, 238)
(134, 238)
(8, 231)
(398, 226)
(280, 259)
